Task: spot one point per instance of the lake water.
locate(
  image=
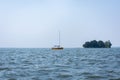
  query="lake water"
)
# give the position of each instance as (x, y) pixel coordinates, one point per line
(67, 64)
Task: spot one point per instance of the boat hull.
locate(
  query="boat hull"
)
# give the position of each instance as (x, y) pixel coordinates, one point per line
(61, 48)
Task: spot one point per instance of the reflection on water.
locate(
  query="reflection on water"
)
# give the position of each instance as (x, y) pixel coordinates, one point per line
(67, 64)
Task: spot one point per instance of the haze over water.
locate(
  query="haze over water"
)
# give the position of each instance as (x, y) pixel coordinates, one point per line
(35, 23)
(67, 64)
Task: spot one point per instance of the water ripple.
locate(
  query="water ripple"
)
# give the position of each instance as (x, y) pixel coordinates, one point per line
(67, 64)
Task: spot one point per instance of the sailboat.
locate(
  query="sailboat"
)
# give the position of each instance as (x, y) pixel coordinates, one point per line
(58, 47)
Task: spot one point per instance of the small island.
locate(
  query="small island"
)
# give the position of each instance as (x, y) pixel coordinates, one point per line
(97, 44)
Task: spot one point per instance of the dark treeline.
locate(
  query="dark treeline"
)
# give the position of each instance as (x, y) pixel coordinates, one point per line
(97, 44)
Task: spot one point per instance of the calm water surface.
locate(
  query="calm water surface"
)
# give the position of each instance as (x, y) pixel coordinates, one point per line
(67, 64)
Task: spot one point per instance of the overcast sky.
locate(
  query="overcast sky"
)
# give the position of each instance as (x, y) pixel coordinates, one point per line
(36, 23)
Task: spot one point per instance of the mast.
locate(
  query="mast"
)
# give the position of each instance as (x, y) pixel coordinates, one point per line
(59, 38)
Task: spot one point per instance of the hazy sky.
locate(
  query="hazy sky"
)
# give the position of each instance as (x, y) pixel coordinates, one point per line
(35, 23)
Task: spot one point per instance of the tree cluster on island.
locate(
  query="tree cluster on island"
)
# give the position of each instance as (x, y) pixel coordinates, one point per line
(97, 44)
